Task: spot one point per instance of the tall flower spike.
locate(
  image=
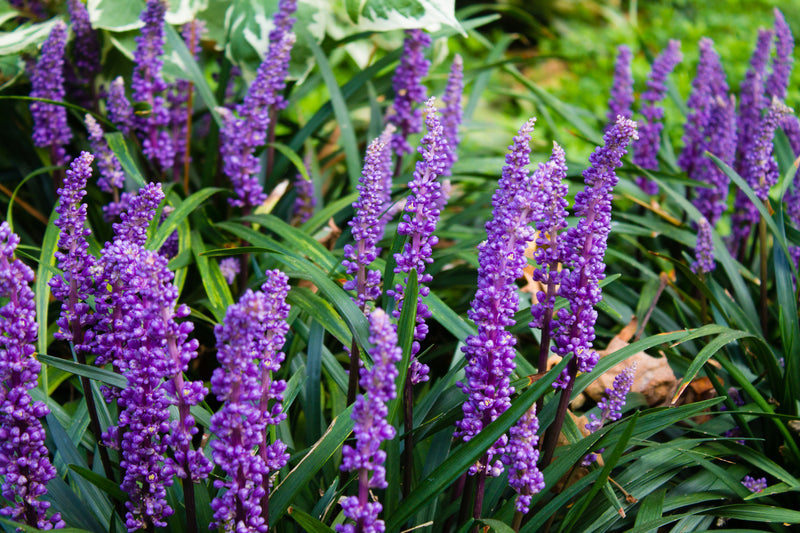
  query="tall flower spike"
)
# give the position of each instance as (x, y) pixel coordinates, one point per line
(24, 464)
(752, 99)
(611, 405)
(419, 222)
(408, 90)
(86, 50)
(365, 227)
(583, 252)
(452, 112)
(50, 128)
(760, 170)
(646, 148)
(248, 349)
(136, 219)
(621, 101)
(149, 86)
(74, 285)
(371, 428)
(120, 111)
(778, 81)
(704, 251)
(517, 202)
(521, 457)
(112, 178)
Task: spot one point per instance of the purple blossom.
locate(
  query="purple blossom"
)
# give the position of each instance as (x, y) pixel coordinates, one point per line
(241, 136)
(74, 284)
(283, 22)
(305, 201)
(111, 178)
(452, 112)
(760, 170)
(754, 485)
(229, 268)
(408, 89)
(621, 101)
(419, 222)
(752, 99)
(704, 251)
(248, 344)
(517, 202)
(87, 48)
(611, 405)
(50, 128)
(365, 226)
(148, 86)
(140, 211)
(778, 81)
(646, 148)
(521, 457)
(120, 111)
(35, 8)
(371, 428)
(25, 467)
(584, 247)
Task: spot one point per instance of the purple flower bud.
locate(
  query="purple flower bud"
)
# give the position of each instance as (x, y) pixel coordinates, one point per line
(452, 112)
(521, 457)
(778, 81)
(366, 229)
(752, 99)
(50, 128)
(87, 49)
(408, 89)
(621, 101)
(584, 247)
(140, 211)
(371, 428)
(248, 344)
(419, 223)
(120, 111)
(704, 251)
(611, 405)
(111, 178)
(755, 485)
(490, 354)
(25, 467)
(646, 148)
(305, 201)
(229, 268)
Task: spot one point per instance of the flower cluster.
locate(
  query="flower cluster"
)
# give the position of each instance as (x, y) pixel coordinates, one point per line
(778, 81)
(611, 405)
(517, 202)
(120, 111)
(87, 46)
(419, 222)
(521, 457)
(241, 136)
(248, 344)
(452, 112)
(229, 267)
(621, 101)
(584, 249)
(754, 485)
(408, 89)
(50, 128)
(704, 251)
(24, 464)
(305, 201)
(367, 231)
(371, 427)
(646, 148)
(752, 99)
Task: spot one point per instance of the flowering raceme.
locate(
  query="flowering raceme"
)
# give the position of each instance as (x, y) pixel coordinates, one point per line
(408, 90)
(452, 112)
(24, 464)
(621, 101)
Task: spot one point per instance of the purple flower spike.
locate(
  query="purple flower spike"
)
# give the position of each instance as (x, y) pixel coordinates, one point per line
(611, 405)
(111, 178)
(621, 101)
(760, 170)
(178, 97)
(583, 251)
(704, 251)
(521, 457)
(778, 81)
(408, 89)
(229, 268)
(452, 112)
(646, 148)
(50, 128)
(25, 467)
(517, 201)
(365, 227)
(371, 428)
(140, 211)
(75, 283)
(752, 99)
(248, 344)
(87, 49)
(419, 223)
(755, 485)
(149, 86)
(305, 201)
(120, 111)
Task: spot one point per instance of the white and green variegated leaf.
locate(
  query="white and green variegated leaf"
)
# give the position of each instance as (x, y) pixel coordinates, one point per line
(385, 15)
(247, 27)
(25, 37)
(7, 12)
(123, 15)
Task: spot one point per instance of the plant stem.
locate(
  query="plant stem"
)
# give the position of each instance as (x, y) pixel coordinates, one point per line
(191, 507)
(352, 384)
(554, 430)
(762, 237)
(517, 521)
(408, 426)
(273, 114)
